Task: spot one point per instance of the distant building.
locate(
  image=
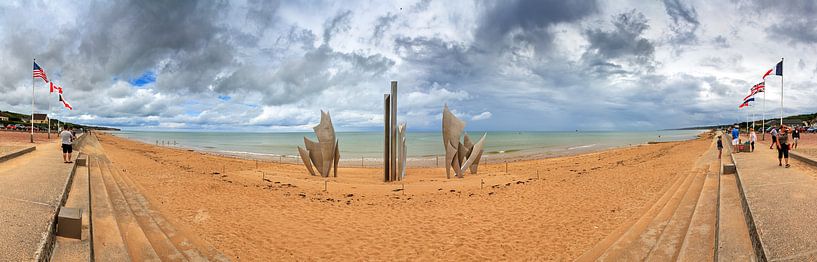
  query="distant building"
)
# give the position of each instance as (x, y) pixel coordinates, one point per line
(4, 118)
(788, 122)
(40, 119)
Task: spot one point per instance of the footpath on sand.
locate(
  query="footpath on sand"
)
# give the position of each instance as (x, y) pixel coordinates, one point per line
(31, 188)
(782, 202)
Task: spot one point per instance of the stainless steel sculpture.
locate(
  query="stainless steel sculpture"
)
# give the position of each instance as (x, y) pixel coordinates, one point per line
(459, 156)
(394, 150)
(324, 154)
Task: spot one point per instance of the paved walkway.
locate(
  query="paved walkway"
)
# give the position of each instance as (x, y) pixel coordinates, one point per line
(31, 187)
(783, 202)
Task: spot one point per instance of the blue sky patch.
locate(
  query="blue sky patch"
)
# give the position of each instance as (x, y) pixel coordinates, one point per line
(146, 78)
(224, 98)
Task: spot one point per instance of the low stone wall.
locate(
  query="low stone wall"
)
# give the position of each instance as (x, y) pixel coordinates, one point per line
(17, 153)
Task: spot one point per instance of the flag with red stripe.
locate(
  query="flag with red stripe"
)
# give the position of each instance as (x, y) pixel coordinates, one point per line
(65, 103)
(776, 70)
(39, 72)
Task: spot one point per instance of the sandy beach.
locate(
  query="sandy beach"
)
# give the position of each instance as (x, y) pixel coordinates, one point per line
(554, 208)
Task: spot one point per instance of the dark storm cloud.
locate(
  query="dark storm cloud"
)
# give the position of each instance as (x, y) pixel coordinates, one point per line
(527, 21)
(797, 20)
(383, 23)
(444, 61)
(307, 76)
(624, 43)
(338, 24)
(684, 22)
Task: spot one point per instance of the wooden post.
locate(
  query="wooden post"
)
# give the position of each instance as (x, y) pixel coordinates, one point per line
(481, 183)
(256, 164)
(506, 166)
(537, 174)
(438, 160)
(325, 185)
(263, 176)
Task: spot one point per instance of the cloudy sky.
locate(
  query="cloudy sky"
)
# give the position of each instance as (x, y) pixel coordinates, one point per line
(500, 65)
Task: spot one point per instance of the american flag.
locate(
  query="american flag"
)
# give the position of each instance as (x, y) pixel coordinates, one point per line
(39, 72)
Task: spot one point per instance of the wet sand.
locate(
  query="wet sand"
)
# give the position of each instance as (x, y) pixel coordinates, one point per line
(545, 209)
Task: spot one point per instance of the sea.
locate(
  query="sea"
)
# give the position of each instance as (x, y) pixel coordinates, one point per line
(360, 146)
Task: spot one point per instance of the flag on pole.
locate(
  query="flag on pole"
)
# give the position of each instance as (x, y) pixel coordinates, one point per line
(746, 102)
(759, 87)
(776, 70)
(39, 72)
(65, 103)
(51, 87)
(756, 89)
(58, 88)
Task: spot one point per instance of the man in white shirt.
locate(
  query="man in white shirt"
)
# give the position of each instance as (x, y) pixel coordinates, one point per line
(66, 139)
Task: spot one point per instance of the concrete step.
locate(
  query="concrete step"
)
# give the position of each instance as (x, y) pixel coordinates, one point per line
(639, 246)
(734, 243)
(139, 247)
(69, 249)
(159, 241)
(108, 243)
(669, 243)
(699, 243)
(632, 227)
(192, 248)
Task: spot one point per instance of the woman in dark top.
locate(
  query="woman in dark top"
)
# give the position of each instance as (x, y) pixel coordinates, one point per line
(783, 146)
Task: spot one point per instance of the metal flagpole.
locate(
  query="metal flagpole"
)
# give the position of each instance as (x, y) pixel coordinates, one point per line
(32, 106)
(763, 124)
(48, 116)
(781, 93)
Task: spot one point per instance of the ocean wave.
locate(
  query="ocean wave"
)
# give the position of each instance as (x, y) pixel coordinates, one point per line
(579, 147)
(248, 153)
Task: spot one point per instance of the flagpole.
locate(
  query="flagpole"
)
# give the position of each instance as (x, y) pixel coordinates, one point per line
(32, 106)
(764, 110)
(48, 116)
(781, 94)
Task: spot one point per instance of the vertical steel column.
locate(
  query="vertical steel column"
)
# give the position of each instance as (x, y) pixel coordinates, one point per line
(393, 130)
(386, 137)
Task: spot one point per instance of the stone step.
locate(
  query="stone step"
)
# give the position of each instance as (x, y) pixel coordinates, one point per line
(159, 241)
(632, 227)
(108, 244)
(638, 247)
(69, 249)
(139, 247)
(734, 243)
(669, 243)
(194, 249)
(699, 243)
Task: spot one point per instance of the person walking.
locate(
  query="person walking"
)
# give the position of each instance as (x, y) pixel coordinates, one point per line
(720, 147)
(753, 139)
(795, 136)
(735, 138)
(774, 137)
(67, 140)
(783, 146)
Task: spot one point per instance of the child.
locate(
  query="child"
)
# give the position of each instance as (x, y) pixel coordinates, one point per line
(720, 147)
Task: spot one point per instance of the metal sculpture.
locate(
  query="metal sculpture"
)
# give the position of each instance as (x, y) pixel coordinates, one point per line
(459, 156)
(394, 140)
(324, 154)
